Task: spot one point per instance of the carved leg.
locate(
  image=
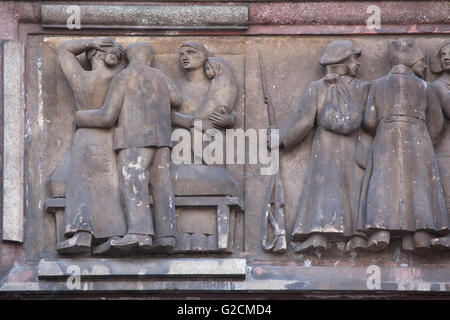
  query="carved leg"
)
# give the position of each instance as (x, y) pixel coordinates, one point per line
(164, 201)
(379, 241)
(80, 242)
(134, 179)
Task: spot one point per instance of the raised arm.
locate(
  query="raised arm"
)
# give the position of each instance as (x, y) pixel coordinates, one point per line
(67, 56)
(107, 115)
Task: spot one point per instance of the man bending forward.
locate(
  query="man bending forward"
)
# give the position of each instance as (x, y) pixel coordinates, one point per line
(139, 101)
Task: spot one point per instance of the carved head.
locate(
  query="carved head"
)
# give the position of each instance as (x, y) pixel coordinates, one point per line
(440, 60)
(342, 52)
(193, 55)
(111, 57)
(140, 51)
(408, 53)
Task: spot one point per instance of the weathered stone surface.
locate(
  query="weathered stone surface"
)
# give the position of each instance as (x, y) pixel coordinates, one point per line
(348, 12)
(58, 179)
(13, 141)
(133, 268)
(258, 277)
(149, 17)
(292, 64)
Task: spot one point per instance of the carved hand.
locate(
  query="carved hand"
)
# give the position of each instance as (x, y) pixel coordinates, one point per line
(221, 119)
(99, 44)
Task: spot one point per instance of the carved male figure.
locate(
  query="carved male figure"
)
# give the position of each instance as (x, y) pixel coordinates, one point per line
(402, 192)
(139, 101)
(333, 106)
(93, 208)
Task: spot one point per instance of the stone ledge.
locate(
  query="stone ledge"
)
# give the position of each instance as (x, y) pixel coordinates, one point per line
(260, 278)
(148, 17)
(137, 268)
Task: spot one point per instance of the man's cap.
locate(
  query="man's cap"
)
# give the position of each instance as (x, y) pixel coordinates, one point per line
(337, 51)
(405, 51)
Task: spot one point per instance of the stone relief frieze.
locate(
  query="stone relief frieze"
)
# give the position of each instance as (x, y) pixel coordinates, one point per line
(376, 168)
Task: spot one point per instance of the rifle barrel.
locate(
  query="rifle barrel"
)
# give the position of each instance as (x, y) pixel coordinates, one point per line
(267, 100)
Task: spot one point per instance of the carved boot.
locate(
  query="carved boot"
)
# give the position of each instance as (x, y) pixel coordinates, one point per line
(408, 243)
(442, 243)
(317, 243)
(164, 245)
(131, 241)
(422, 240)
(356, 243)
(379, 241)
(79, 243)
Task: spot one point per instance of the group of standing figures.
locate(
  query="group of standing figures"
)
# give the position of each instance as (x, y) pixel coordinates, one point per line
(379, 164)
(373, 173)
(121, 149)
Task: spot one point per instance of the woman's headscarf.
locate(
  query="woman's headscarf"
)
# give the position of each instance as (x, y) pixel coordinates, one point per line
(223, 88)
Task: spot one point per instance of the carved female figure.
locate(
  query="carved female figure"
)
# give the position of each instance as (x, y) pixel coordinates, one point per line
(333, 105)
(209, 91)
(402, 191)
(93, 206)
(440, 63)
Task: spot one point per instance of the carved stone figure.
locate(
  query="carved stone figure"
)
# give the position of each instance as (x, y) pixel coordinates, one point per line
(209, 89)
(139, 101)
(440, 63)
(332, 106)
(93, 207)
(402, 191)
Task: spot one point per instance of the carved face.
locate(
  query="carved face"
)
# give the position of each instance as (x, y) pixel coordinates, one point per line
(210, 73)
(110, 57)
(352, 65)
(445, 58)
(420, 68)
(191, 58)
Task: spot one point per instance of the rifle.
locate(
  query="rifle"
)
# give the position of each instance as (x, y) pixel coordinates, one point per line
(273, 210)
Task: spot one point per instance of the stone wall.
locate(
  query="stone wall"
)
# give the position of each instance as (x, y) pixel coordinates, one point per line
(285, 26)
